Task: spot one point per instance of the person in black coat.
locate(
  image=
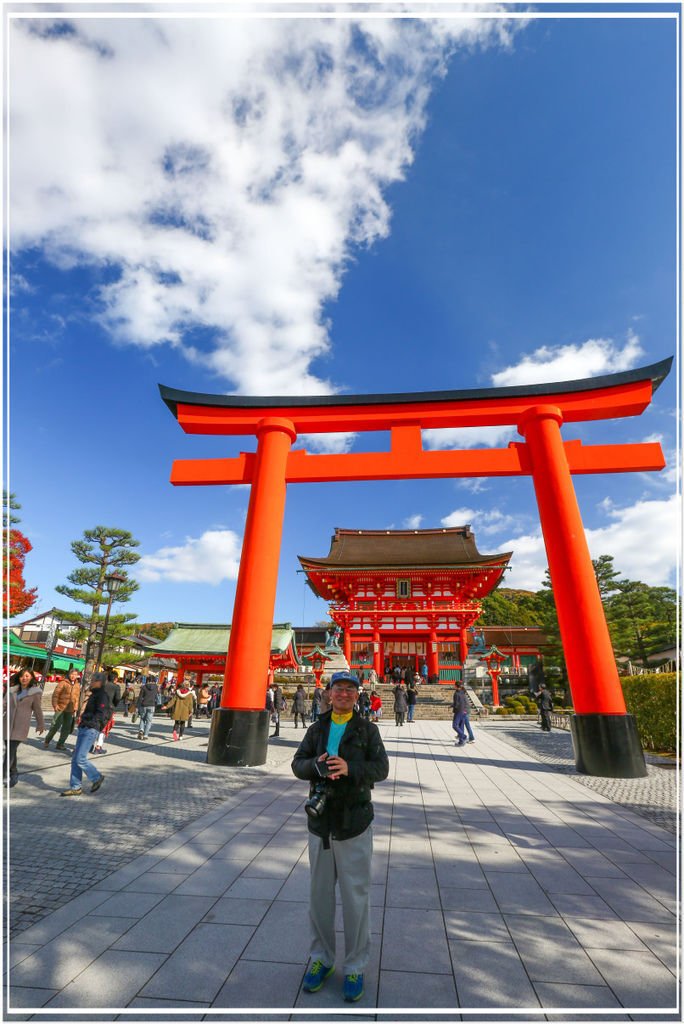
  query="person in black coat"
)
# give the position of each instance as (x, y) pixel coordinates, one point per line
(545, 703)
(94, 717)
(341, 756)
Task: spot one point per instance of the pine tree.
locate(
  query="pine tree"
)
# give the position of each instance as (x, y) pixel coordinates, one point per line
(102, 551)
(16, 596)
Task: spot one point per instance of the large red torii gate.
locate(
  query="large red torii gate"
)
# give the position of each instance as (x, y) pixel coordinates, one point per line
(604, 735)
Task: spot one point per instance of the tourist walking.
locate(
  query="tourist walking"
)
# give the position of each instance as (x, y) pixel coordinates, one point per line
(411, 699)
(460, 710)
(22, 701)
(65, 699)
(203, 701)
(279, 705)
(94, 717)
(375, 707)
(146, 706)
(326, 699)
(400, 704)
(316, 703)
(299, 706)
(180, 707)
(545, 702)
(341, 756)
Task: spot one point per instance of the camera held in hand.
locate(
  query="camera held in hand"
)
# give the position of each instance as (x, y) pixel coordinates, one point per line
(316, 804)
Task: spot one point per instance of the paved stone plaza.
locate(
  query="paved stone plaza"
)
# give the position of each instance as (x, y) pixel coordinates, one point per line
(500, 884)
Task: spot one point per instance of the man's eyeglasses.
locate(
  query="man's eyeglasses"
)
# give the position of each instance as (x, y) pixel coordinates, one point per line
(345, 689)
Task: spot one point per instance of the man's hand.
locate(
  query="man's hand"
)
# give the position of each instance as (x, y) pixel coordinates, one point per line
(338, 767)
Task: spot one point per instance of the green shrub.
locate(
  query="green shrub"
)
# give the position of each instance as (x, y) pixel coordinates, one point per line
(518, 709)
(652, 699)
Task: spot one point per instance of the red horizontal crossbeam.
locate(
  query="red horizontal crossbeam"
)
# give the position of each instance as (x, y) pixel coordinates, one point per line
(408, 461)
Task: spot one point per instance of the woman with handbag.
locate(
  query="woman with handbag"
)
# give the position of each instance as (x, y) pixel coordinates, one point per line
(22, 700)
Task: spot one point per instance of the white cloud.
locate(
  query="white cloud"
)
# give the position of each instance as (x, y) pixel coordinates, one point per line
(483, 521)
(544, 366)
(643, 539)
(211, 558)
(413, 522)
(470, 437)
(571, 362)
(223, 171)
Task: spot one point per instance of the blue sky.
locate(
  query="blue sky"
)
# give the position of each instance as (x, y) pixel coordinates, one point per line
(283, 207)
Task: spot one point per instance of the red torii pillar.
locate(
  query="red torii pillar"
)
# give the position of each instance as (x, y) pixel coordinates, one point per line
(600, 722)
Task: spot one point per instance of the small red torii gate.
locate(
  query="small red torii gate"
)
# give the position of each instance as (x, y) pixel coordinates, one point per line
(604, 735)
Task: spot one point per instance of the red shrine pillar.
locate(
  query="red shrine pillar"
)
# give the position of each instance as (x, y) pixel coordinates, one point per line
(180, 677)
(346, 645)
(604, 735)
(463, 646)
(432, 658)
(377, 655)
(239, 727)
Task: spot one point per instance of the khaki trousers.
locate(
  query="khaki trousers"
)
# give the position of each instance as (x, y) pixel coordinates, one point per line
(348, 863)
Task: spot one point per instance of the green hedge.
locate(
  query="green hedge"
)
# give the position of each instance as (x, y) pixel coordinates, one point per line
(652, 699)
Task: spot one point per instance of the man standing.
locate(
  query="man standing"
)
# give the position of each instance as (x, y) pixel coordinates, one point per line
(65, 698)
(279, 705)
(460, 709)
(147, 702)
(342, 756)
(545, 702)
(94, 717)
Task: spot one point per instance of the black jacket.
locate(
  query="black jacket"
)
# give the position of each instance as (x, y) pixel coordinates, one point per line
(147, 698)
(459, 703)
(349, 810)
(544, 700)
(97, 710)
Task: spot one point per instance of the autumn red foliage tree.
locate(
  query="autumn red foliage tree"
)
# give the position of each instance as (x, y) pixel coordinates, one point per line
(16, 596)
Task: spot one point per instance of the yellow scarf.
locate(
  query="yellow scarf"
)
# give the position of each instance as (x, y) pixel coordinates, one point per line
(341, 719)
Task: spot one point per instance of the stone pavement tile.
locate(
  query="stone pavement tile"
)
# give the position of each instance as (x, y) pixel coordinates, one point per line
(660, 938)
(498, 979)
(576, 997)
(420, 990)
(554, 874)
(479, 900)
(605, 934)
(653, 878)
(236, 911)
(110, 981)
(60, 919)
(637, 977)
(564, 962)
(120, 879)
(516, 893)
(241, 847)
(210, 880)
(539, 929)
(413, 887)
(590, 862)
(254, 985)
(167, 924)
(18, 951)
(255, 888)
(201, 963)
(415, 937)
(282, 936)
(270, 865)
(499, 857)
(187, 858)
(164, 1004)
(582, 906)
(155, 882)
(668, 859)
(475, 927)
(127, 904)
(59, 961)
(461, 871)
(629, 900)
(297, 885)
(20, 996)
(486, 834)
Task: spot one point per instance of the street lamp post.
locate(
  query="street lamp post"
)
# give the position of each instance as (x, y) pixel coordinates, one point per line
(112, 584)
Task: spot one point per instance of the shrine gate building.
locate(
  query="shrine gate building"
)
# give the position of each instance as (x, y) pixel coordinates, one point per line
(405, 597)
